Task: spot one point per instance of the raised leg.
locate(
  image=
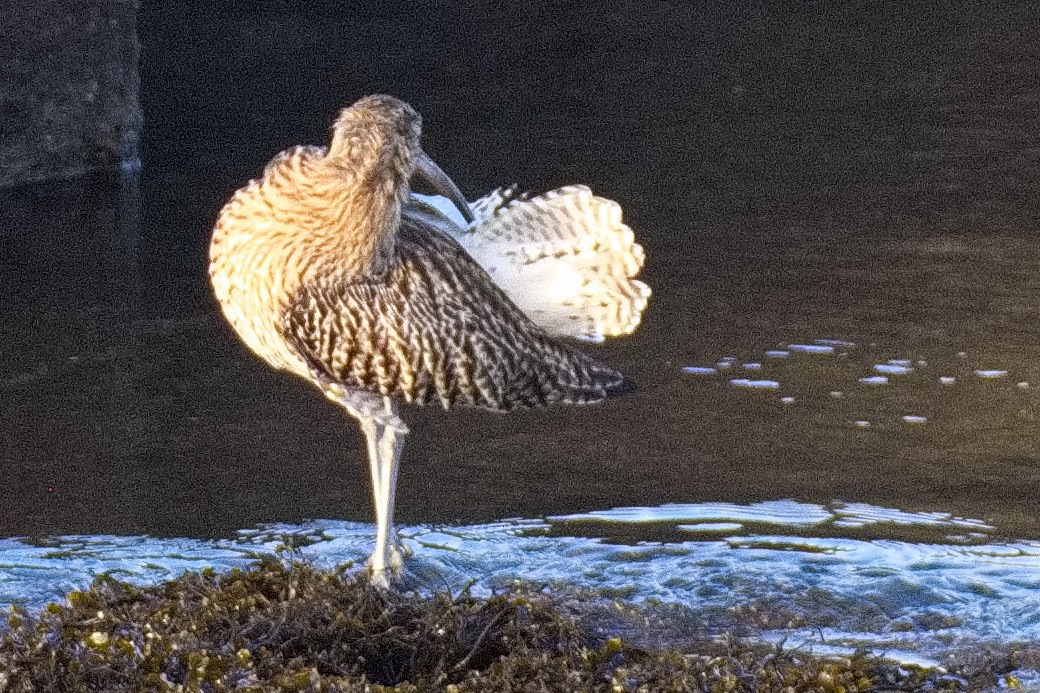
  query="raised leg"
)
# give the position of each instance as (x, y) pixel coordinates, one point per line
(384, 436)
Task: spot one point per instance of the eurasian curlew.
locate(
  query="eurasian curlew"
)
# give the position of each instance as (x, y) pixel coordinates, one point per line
(329, 268)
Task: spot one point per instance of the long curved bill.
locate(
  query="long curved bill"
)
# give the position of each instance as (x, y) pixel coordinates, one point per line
(441, 183)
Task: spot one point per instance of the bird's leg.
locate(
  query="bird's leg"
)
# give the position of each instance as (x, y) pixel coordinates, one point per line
(378, 562)
(391, 442)
(387, 560)
(384, 437)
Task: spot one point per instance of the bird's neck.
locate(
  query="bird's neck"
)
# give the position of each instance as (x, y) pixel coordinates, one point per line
(358, 211)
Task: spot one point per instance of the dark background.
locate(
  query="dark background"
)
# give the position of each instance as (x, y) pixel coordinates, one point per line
(780, 118)
(859, 170)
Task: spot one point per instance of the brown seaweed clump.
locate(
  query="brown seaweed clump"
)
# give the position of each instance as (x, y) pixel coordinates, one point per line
(288, 626)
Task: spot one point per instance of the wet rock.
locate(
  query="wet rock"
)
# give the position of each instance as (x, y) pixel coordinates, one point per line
(68, 88)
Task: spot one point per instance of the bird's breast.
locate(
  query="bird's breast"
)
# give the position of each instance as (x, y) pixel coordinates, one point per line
(261, 257)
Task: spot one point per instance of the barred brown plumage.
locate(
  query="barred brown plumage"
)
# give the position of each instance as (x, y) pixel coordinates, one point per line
(437, 329)
(319, 272)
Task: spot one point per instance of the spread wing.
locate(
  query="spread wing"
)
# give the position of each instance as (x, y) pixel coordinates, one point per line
(436, 328)
(565, 257)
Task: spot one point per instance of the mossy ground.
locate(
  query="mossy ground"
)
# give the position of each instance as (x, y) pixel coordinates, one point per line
(288, 626)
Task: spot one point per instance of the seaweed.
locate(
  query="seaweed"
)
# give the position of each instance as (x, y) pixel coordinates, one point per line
(286, 625)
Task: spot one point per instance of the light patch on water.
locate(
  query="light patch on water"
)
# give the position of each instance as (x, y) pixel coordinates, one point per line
(874, 380)
(712, 527)
(991, 374)
(34, 574)
(782, 512)
(833, 577)
(914, 419)
(700, 370)
(753, 366)
(947, 380)
(755, 384)
(861, 514)
(835, 343)
(778, 353)
(892, 368)
(811, 348)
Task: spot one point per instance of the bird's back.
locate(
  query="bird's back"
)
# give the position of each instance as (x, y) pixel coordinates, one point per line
(436, 328)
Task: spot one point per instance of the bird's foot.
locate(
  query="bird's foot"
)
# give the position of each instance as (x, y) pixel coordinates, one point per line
(382, 579)
(387, 567)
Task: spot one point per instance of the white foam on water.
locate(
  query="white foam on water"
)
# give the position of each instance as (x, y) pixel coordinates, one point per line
(892, 368)
(782, 512)
(712, 527)
(700, 370)
(947, 380)
(971, 591)
(871, 514)
(755, 384)
(811, 348)
(778, 353)
(874, 380)
(834, 343)
(991, 374)
(913, 419)
(34, 574)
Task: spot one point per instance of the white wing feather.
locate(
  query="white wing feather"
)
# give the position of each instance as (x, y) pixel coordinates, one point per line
(564, 257)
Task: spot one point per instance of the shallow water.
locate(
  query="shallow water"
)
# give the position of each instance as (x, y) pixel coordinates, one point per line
(839, 209)
(921, 587)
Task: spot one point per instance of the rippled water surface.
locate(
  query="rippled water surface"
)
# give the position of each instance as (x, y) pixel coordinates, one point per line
(841, 358)
(917, 586)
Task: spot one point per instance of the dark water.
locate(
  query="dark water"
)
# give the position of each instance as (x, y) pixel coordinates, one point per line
(862, 172)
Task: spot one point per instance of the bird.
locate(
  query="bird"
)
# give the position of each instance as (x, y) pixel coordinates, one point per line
(328, 267)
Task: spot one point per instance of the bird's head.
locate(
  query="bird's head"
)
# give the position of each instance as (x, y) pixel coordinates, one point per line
(376, 142)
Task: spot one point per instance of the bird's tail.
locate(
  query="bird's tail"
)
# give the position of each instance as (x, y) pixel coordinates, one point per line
(565, 258)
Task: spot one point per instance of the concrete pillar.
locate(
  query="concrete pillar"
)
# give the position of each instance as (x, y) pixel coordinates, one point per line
(68, 88)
